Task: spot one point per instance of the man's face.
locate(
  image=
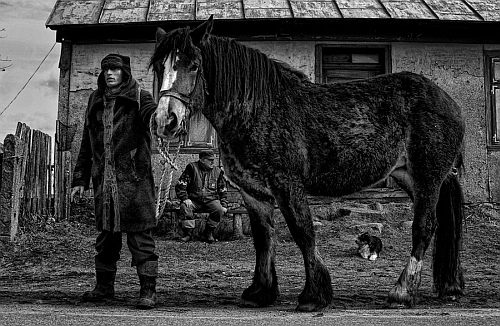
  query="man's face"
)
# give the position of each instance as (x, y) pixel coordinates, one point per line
(208, 162)
(113, 77)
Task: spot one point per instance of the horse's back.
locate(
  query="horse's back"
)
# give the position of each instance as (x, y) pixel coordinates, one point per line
(368, 125)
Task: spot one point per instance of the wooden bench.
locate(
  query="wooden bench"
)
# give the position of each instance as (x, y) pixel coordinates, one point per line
(237, 214)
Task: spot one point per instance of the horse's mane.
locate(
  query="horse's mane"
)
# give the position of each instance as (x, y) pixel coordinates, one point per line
(234, 72)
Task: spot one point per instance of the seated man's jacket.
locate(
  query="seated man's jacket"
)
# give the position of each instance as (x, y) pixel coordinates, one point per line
(201, 184)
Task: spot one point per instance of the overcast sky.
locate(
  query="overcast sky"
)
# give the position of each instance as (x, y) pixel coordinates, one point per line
(25, 42)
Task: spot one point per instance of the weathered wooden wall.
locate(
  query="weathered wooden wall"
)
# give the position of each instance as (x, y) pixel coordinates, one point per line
(300, 55)
(458, 69)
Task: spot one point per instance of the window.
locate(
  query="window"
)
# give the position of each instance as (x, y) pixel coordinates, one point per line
(345, 63)
(200, 133)
(492, 87)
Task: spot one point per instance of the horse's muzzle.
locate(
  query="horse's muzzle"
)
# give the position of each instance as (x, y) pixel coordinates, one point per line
(170, 127)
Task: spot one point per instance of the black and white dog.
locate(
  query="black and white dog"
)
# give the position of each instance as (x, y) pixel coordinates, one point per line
(369, 246)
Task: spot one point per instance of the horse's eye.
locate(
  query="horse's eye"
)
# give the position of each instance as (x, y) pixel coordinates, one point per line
(194, 68)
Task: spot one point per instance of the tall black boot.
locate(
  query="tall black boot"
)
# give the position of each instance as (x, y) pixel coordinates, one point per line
(104, 288)
(208, 234)
(147, 273)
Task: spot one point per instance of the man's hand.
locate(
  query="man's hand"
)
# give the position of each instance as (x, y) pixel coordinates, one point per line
(78, 192)
(188, 203)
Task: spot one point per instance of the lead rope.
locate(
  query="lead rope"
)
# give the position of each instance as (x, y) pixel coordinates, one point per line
(164, 149)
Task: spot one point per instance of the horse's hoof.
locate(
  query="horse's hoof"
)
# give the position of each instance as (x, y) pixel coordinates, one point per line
(248, 304)
(308, 307)
(399, 299)
(259, 298)
(396, 305)
(450, 298)
(451, 293)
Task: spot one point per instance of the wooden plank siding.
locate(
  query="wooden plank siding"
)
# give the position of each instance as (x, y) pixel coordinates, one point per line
(124, 11)
(488, 9)
(452, 10)
(94, 12)
(267, 9)
(314, 9)
(362, 9)
(76, 12)
(224, 9)
(409, 9)
(171, 10)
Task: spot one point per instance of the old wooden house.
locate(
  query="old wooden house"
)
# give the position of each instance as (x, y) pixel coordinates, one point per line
(456, 43)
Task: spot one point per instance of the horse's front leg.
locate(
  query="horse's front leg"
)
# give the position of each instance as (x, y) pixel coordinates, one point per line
(317, 293)
(264, 288)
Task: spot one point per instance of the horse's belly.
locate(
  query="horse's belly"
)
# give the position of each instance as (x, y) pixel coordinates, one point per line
(346, 179)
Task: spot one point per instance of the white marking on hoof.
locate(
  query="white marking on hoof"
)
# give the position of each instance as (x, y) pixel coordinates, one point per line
(414, 266)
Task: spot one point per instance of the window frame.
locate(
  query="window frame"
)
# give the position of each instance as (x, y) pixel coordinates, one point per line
(352, 46)
(492, 108)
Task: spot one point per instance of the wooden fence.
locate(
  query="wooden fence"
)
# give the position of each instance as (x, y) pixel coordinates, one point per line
(26, 186)
(63, 170)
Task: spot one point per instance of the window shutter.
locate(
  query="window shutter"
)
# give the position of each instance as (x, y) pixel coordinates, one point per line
(492, 86)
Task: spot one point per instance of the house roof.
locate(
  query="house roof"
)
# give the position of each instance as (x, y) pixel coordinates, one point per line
(99, 12)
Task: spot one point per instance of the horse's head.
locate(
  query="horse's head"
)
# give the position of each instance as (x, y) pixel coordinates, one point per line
(178, 65)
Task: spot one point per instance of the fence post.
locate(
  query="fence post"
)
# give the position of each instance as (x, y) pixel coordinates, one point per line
(237, 227)
(62, 172)
(23, 132)
(10, 193)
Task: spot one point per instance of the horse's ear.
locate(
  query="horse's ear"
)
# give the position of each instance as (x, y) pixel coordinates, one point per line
(159, 34)
(203, 31)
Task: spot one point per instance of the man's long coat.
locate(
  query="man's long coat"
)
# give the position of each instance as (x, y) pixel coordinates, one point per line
(131, 205)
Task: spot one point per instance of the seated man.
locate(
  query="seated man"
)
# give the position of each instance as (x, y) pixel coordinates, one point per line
(201, 188)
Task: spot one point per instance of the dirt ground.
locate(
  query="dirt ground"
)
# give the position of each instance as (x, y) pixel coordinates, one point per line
(52, 263)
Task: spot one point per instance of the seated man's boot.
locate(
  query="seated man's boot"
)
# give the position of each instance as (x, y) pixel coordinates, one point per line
(147, 273)
(187, 235)
(104, 288)
(208, 234)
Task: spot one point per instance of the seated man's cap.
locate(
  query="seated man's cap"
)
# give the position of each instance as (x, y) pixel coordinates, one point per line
(207, 153)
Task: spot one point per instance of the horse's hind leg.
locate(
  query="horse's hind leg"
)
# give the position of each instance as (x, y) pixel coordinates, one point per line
(424, 224)
(264, 288)
(317, 292)
(425, 193)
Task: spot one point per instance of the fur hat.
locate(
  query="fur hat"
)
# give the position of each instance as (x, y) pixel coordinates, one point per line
(114, 61)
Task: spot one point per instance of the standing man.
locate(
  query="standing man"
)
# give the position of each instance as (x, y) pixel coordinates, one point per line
(116, 153)
(201, 188)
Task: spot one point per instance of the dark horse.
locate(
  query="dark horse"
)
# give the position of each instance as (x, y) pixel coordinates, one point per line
(282, 137)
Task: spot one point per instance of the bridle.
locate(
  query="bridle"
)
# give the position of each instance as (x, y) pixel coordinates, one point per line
(186, 99)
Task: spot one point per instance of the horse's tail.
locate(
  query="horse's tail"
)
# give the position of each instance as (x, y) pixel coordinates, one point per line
(448, 274)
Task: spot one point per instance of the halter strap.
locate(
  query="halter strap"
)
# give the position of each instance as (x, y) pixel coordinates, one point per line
(186, 99)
